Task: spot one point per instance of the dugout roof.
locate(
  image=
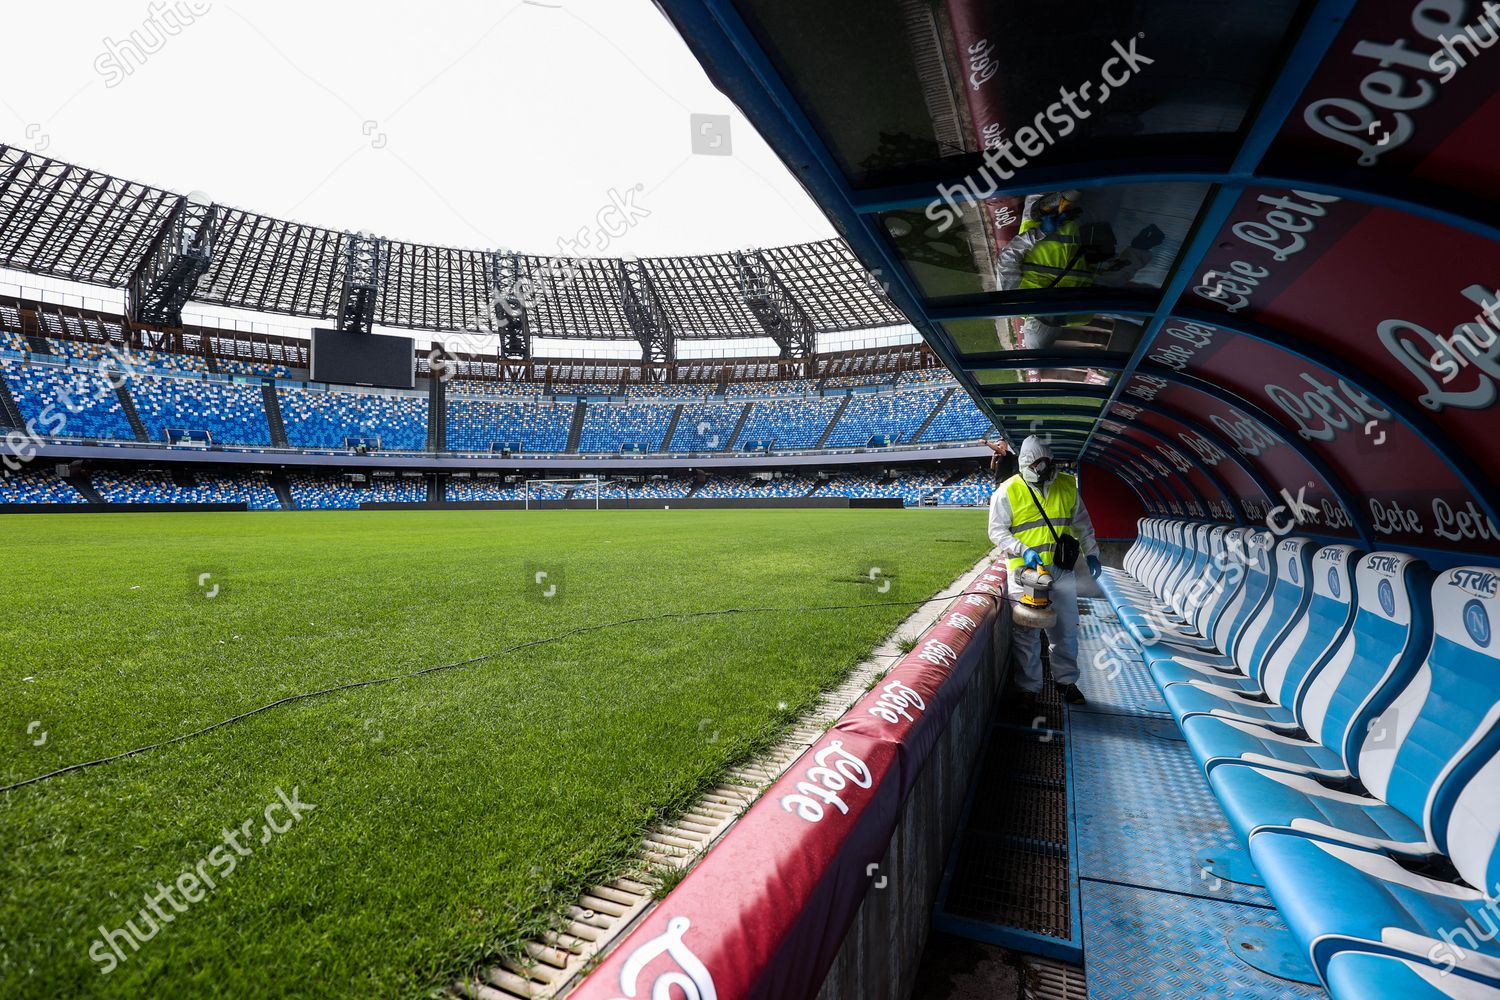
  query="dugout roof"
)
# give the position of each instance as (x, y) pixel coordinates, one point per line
(1312, 316)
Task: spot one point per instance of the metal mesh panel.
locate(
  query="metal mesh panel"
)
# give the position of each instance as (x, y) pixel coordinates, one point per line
(274, 266)
(75, 223)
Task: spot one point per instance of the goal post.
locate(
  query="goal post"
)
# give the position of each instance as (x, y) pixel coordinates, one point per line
(538, 489)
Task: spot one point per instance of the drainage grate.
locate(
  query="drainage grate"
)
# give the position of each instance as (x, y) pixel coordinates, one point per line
(1049, 979)
(1012, 863)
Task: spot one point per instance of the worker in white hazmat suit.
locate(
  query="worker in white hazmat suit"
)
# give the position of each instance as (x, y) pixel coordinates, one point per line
(1020, 511)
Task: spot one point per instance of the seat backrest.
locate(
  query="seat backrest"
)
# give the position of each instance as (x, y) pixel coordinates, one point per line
(1377, 657)
(1155, 544)
(1139, 548)
(1172, 554)
(1192, 556)
(1316, 634)
(1193, 567)
(1290, 595)
(1201, 595)
(1444, 722)
(1248, 557)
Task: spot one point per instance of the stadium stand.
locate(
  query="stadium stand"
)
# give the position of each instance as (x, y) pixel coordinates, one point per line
(66, 402)
(320, 491)
(913, 488)
(93, 352)
(611, 427)
(585, 389)
(973, 489)
(467, 490)
(11, 340)
(232, 414)
(149, 486)
(705, 427)
(879, 414)
(921, 377)
(764, 390)
(743, 487)
(260, 369)
(957, 420)
(787, 423)
(668, 390)
(476, 424)
(650, 489)
(36, 486)
(490, 387)
(857, 381)
(330, 418)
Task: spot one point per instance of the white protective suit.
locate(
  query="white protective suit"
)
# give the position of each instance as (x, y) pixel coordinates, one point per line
(1064, 636)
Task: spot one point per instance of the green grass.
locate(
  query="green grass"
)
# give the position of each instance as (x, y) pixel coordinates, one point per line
(455, 811)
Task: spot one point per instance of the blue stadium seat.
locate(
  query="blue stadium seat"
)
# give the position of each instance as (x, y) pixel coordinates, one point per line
(790, 424)
(231, 414)
(959, 419)
(540, 425)
(1439, 768)
(62, 401)
(1290, 664)
(36, 486)
(610, 427)
(1380, 652)
(705, 426)
(974, 489)
(330, 419)
(872, 414)
(1239, 671)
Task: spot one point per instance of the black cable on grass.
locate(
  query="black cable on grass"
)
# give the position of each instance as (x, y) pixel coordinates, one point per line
(374, 681)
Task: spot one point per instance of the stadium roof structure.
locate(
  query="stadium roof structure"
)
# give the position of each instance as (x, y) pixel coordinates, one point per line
(167, 249)
(1305, 322)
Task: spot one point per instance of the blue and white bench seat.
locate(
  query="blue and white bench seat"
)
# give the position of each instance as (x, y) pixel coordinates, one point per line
(1354, 741)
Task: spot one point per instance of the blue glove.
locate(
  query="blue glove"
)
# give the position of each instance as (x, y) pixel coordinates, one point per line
(1049, 222)
(1033, 559)
(1094, 567)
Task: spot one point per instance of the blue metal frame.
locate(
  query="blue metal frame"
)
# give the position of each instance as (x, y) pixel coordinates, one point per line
(732, 53)
(1323, 24)
(1425, 204)
(1014, 938)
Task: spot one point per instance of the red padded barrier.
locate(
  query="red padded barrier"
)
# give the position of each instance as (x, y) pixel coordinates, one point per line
(764, 914)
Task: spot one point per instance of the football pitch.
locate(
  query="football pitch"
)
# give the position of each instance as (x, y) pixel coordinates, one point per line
(380, 840)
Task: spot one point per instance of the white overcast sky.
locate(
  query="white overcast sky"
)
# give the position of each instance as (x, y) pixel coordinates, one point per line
(500, 124)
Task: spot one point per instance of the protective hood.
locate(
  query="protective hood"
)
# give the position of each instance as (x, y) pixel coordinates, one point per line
(1037, 465)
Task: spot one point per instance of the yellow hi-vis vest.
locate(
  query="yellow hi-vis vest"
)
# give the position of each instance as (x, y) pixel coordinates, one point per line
(1026, 521)
(1046, 264)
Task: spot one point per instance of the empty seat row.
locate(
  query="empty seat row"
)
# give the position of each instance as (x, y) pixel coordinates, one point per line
(1345, 707)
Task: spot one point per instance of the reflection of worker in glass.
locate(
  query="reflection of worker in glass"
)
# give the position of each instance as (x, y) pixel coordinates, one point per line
(1019, 512)
(1055, 250)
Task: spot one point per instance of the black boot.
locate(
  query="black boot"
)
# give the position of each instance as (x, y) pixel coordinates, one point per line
(1071, 694)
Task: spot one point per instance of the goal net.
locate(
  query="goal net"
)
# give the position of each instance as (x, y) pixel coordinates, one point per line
(562, 489)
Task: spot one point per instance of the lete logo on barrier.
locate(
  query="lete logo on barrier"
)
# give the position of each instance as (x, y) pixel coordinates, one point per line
(691, 976)
(825, 782)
